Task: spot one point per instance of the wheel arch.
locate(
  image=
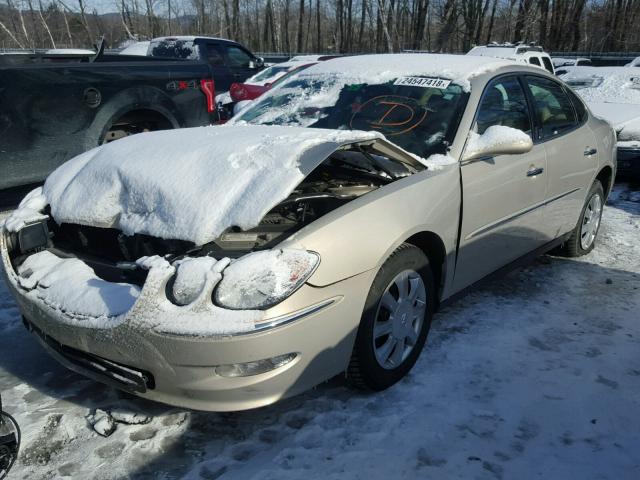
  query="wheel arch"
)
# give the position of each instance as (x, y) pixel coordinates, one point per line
(134, 99)
(433, 247)
(605, 176)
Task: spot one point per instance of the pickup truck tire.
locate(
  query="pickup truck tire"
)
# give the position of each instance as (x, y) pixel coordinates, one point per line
(583, 237)
(395, 321)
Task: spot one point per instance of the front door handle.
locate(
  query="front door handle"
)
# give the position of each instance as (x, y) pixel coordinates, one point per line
(532, 172)
(590, 151)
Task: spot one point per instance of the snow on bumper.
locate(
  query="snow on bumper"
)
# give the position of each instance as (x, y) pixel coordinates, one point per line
(317, 324)
(72, 294)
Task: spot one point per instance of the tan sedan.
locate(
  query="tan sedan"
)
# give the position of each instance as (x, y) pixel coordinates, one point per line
(224, 268)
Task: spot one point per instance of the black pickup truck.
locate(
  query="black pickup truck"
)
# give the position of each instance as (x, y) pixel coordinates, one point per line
(53, 108)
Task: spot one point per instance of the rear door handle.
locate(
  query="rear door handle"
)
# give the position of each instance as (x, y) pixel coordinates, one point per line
(532, 172)
(590, 151)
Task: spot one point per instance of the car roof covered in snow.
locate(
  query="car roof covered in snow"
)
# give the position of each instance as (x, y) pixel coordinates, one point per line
(379, 68)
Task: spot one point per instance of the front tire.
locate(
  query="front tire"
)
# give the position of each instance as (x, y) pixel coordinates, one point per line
(395, 322)
(583, 237)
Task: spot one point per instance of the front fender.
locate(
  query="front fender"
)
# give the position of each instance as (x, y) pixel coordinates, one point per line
(361, 235)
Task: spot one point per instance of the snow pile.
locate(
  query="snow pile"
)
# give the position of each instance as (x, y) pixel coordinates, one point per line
(191, 276)
(260, 278)
(69, 285)
(605, 84)
(377, 69)
(104, 422)
(200, 317)
(189, 184)
(494, 138)
(137, 49)
(437, 161)
(29, 211)
(629, 134)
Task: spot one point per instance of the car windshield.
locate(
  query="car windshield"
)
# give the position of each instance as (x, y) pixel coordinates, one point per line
(268, 73)
(419, 114)
(173, 48)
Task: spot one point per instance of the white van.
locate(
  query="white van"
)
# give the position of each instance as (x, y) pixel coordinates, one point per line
(531, 54)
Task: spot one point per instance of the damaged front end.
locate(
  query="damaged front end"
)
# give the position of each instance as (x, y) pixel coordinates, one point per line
(190, 324)
(174, 286)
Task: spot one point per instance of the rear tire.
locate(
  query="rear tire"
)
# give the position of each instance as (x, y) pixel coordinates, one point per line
(395, 322)
(583, 237)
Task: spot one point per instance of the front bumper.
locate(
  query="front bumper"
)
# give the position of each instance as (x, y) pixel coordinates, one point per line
(628, 163)
(180, 369)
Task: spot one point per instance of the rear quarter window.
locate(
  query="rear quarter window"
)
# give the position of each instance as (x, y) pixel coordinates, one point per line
(581, 110)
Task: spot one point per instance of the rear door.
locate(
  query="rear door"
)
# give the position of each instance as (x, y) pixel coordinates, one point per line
(572, 156)
(503, 195)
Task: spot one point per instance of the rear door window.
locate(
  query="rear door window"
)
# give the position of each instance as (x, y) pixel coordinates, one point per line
(503, 103)
(547, 64)
(173, 48)
(534, 61)
(581, 110)
(554, 111)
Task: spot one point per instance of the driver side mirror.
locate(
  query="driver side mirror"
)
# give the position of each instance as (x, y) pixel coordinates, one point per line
(257, 62)
(497, 140)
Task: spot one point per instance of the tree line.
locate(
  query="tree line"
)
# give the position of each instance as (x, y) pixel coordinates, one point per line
(327, 26)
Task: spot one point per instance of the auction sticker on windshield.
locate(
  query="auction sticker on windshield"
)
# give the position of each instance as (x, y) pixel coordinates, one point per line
(424, 82)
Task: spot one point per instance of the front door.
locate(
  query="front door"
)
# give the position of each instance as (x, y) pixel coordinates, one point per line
(240, 62)
(503, 195)
(214, 55)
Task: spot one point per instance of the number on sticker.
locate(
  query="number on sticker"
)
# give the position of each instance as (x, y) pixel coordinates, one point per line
(424, 82)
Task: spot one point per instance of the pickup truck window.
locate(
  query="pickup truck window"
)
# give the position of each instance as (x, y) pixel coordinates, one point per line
(173, 48)
(236, 57)
(534, 61)
(503, 103)
(554, 111)
(214, 57)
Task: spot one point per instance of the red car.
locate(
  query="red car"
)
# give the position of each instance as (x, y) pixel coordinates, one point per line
(249, 91)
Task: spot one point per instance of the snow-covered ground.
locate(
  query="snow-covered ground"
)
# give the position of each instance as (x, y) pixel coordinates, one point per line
(535, 376)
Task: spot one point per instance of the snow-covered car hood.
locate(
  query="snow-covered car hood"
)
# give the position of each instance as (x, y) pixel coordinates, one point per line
(617, 114)
(190, 184)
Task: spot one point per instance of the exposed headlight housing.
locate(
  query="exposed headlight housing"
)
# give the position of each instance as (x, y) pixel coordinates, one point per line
(33, 237)
(260, 280)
